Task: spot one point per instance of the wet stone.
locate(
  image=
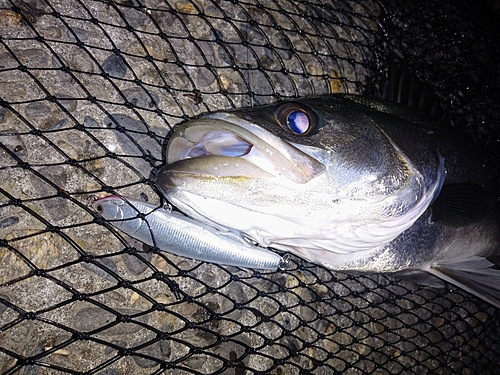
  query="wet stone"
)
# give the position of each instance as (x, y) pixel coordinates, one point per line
(34, 369)
(115, 66)
(135, 265)
(57, 207)
(195, 361)
(67, 101)
(8, 222)
(134, 17)
(203, 76)
(234, 350)
(80, 61)
(124, 123)
(136, 134)
(80, 33)
(141, 98)
(51, 32)
(282, 46)
(59, 124)
(90, 123)
(32, 58)
(109, 349)
(251, 34)
(33, 6)
(106, 262)
(37, 109)
(160, 349)
(14, 143)
(92, 318)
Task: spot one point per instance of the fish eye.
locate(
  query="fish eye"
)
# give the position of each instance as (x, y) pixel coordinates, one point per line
(98, 208)
(297, 118)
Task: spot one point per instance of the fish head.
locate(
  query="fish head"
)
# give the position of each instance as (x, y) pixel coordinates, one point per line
(109, 208)
(309, 176)
(121, 212)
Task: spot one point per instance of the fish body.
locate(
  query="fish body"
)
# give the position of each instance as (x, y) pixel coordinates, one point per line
(351, 183)
(173, 232)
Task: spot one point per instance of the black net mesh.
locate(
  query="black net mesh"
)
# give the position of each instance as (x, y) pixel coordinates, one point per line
(88, 93)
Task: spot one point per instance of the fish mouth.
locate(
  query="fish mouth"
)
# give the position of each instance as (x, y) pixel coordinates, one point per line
(224, 145)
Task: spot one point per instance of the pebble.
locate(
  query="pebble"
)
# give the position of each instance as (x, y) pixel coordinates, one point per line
(195, 361)
(77, 33)
(106, 262)
(109, 349)
(37, 109)
(51, 32)
(186, 7)
(59, 124)
(92, 318)
(31, 57)
(57, 207)
(68, 101)
(10, 19)
(134, 264)
(138, 97)
(90, 123)
(34, 369)
(135, 17)
(159, 349)
(8, 222)
(115, 66)
(79, 61)
(14, 142)
(122, 125)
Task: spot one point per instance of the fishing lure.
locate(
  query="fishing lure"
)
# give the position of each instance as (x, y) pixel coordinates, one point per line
(180, 235)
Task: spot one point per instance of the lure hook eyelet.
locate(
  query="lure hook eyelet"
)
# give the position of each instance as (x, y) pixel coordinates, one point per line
(91, 199)
(285, 261)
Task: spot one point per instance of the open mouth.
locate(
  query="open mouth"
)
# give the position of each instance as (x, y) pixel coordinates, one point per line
(217, 143)
(223, 152)
(235, 145)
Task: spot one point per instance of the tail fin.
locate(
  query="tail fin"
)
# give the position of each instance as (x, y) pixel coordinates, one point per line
(474, 275)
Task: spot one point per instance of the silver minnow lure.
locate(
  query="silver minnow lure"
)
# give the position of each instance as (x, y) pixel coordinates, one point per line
(177, 234)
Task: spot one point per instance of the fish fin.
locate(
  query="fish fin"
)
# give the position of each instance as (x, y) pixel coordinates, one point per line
(421, 278)
(473, 274)
(460, 204)
(403, 86)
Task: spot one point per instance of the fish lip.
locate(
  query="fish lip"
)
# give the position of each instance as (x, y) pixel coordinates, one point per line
(225, 135)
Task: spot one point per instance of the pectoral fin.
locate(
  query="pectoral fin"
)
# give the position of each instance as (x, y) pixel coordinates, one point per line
(460, 204)
(474, 274)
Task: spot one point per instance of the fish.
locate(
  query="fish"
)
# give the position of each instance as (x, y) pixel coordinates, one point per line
(174, 232)
(352, 183)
